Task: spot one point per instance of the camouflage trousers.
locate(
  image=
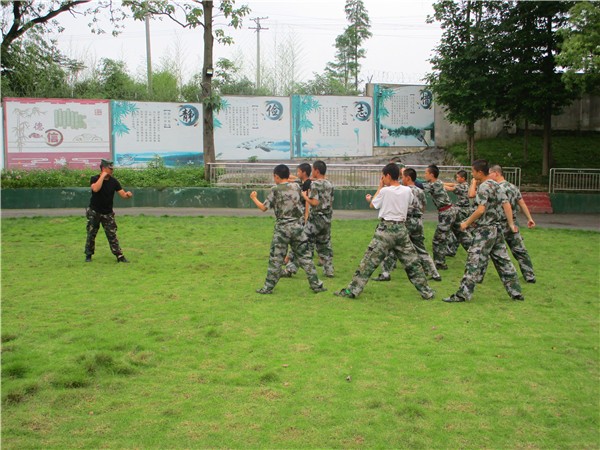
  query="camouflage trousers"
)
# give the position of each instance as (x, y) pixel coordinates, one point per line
(107, 221)
(389, 238)
(414, 225)
(462, 214)
(515, 242)
(318, 231)
(488, 243)
(292, 234)
(448, 224)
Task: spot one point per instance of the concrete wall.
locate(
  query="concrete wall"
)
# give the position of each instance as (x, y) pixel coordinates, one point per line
(447, 133)
(345, 199)
(581, 115)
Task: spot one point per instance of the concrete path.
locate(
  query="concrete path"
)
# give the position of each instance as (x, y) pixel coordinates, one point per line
(572, 221)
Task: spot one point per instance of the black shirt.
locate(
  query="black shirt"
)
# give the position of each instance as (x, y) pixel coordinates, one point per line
(102, 201)
(305, 185)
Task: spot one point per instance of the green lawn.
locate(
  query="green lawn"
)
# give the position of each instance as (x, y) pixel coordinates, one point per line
(175, 350)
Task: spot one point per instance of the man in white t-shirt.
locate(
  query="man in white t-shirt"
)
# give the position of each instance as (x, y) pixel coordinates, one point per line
(392, 201)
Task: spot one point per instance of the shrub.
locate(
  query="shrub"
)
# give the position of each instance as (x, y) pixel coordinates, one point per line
(156, 176)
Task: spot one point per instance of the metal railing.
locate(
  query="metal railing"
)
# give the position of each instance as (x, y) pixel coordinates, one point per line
(343, 176)
(574, 180)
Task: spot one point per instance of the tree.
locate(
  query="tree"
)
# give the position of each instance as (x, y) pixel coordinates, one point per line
(21, 17)
(348, 45)
(357, 32)
(580, 49)
(280, 73)
(36, 70)
(497, 59)
(164, 87)
(117, 84)
(462, 63)
(321, 85)
(226, 80)
(531, 87)
(193, 14)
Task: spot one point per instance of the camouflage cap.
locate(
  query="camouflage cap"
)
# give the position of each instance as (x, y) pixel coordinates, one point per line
(106, 163)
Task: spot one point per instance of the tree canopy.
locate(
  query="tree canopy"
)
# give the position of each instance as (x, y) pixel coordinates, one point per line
(580, 49)
(498, 59)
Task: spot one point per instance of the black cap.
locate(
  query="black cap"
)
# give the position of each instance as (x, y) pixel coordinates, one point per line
(106, 163)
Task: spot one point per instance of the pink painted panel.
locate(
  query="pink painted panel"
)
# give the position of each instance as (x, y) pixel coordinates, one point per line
(55, 133)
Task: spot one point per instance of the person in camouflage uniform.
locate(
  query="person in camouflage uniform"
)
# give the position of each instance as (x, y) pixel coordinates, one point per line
(463, 205)
(515, 240)
(284, 199)
(447, 222)
(318, 226)
(100, 211)
(488, 241)
(414, 225)
(392, 201)
(303, 172)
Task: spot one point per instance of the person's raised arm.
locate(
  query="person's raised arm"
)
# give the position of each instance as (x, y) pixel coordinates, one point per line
(473, 188)
(257, 202)
(124, 194)
(450, 186)
(98, 184)
(370, 197)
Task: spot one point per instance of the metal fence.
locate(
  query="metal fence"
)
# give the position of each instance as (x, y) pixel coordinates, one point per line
(574, 180)
(343, 176)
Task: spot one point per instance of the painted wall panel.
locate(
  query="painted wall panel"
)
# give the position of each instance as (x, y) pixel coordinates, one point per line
(404, 116)
(253, 127)
(327, 126)
(54, 133)
(143, 130)
(2, 150)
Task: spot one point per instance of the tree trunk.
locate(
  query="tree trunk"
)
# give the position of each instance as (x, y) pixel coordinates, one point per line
(208, 137)
(526, 141)
(547, 161)
(471, 141)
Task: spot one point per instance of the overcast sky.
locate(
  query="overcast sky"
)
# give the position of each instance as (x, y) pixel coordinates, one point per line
(398, 51)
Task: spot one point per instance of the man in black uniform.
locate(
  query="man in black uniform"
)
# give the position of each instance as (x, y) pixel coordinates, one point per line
(101, 211)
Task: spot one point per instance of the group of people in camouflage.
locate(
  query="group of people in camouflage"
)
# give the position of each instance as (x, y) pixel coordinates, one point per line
(303, 210)
(303, 222)
(303, 207)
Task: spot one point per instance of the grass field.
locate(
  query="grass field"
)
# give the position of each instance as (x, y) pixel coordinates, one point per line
(175, 350)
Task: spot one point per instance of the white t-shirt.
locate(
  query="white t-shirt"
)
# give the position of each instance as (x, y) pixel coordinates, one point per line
(392, 202)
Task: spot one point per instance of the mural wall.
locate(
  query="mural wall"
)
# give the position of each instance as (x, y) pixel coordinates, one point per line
(253, 127)
(54, 133)
(143, 130)
(404, 116)
(1, 137)
(327, 126)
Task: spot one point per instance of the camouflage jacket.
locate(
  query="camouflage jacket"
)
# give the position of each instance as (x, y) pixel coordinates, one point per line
(322, 190)
(492, 196)
(419, 200)
(513, 195)
(438, 193)
(461, 190)
(285, 200)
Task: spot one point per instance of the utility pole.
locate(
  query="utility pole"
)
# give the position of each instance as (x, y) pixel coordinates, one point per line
(258, 27)
(148, 54)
